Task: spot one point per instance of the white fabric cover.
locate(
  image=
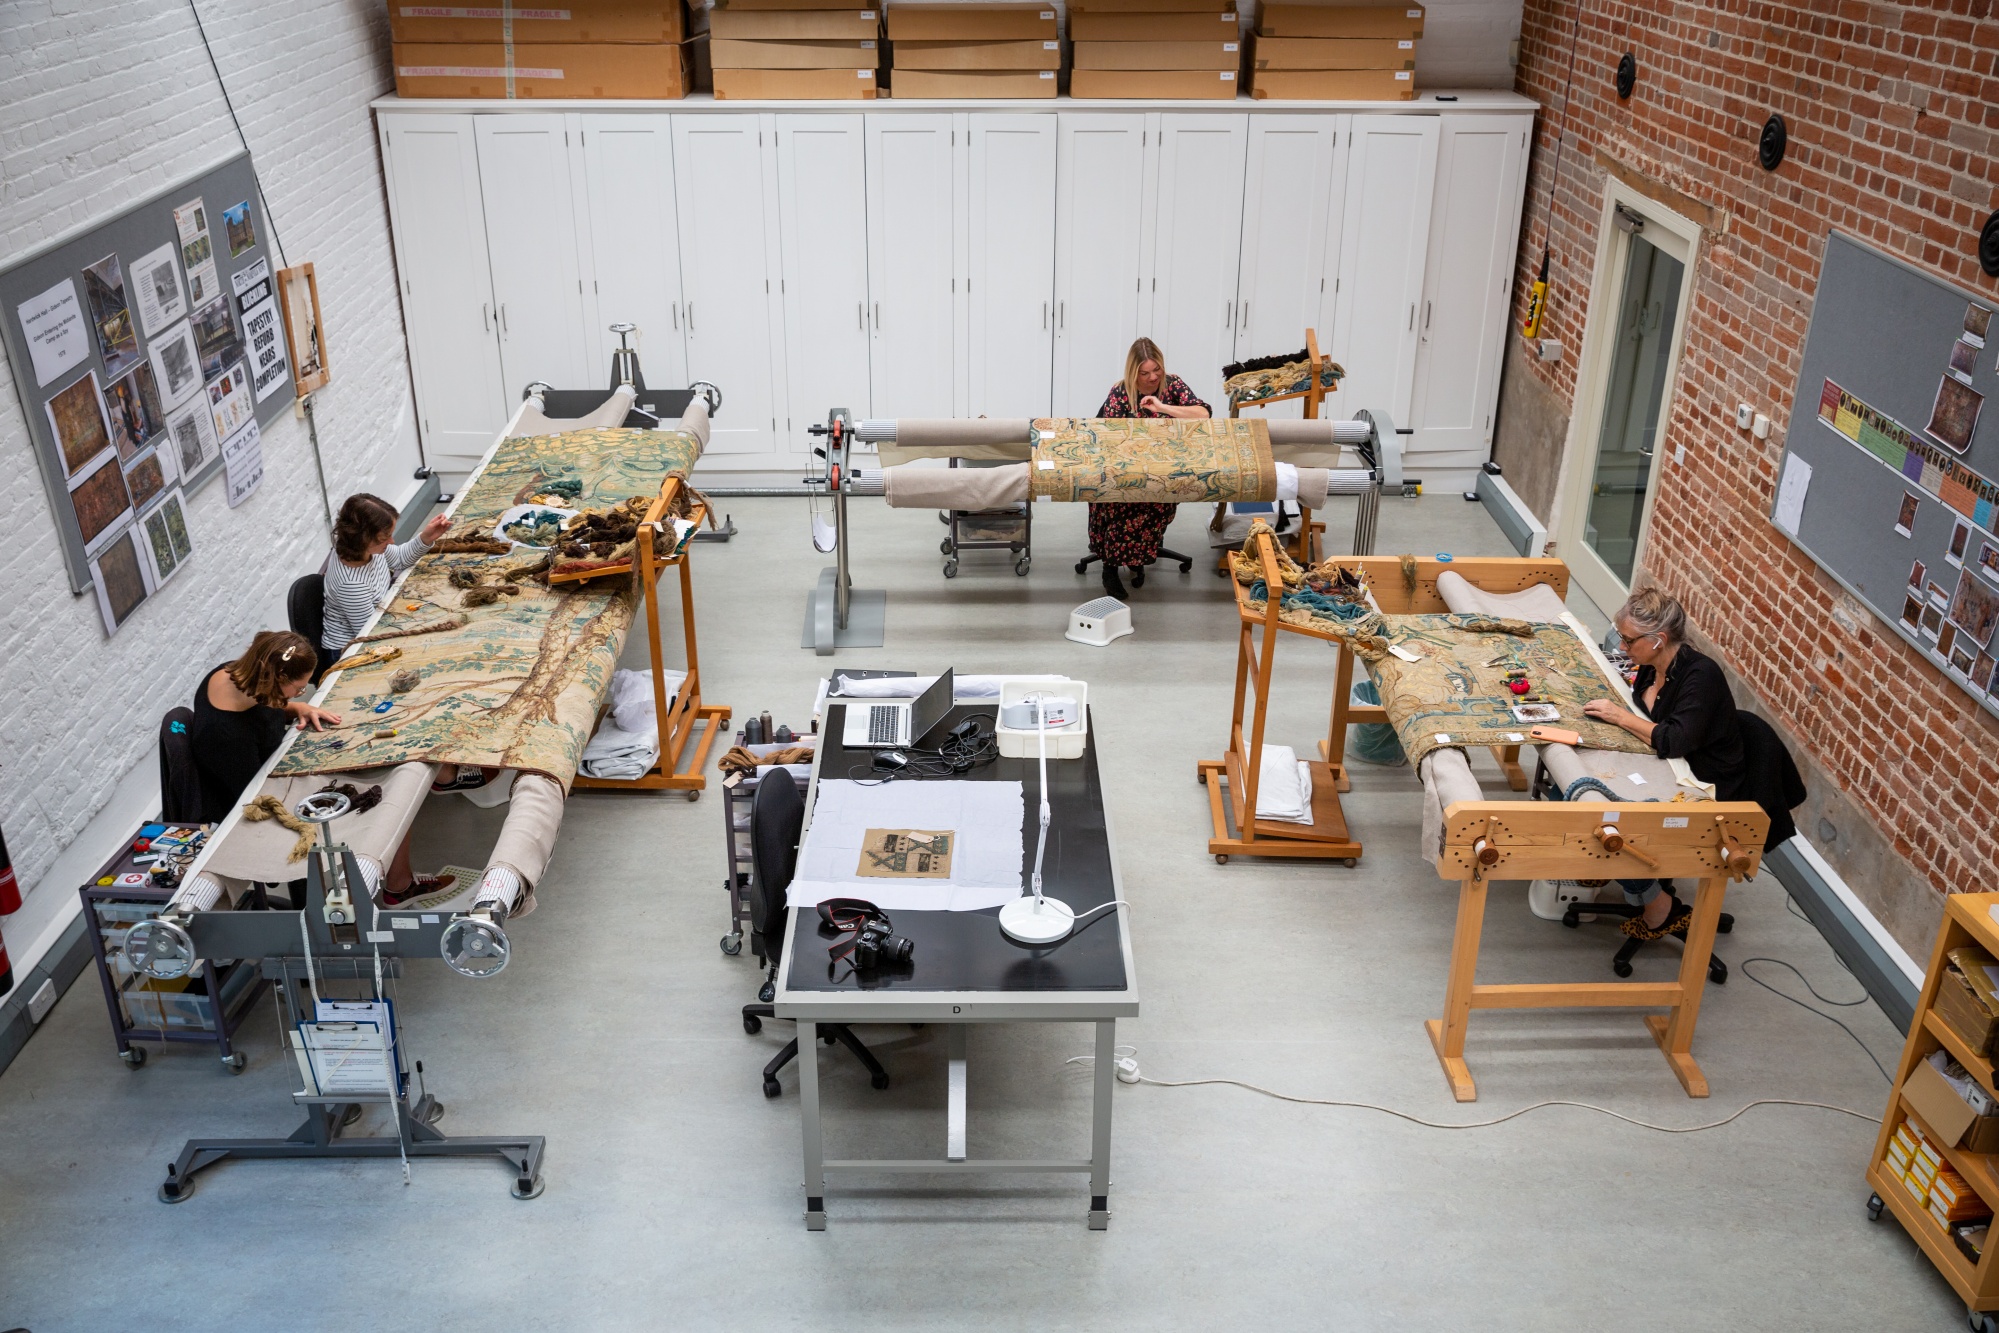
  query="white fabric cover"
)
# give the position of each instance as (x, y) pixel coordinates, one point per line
(1447, 779)
(1537, 603)
(1284, 786)
(987, 817)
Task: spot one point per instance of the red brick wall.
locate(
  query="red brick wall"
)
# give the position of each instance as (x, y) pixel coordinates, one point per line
(1893, 113)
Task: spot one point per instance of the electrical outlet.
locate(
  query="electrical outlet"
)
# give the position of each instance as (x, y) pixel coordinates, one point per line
(43, 1000)
(1761, 427)
(1744, 414)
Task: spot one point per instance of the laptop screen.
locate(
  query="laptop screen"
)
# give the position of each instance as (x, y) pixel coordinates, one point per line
(931, 707)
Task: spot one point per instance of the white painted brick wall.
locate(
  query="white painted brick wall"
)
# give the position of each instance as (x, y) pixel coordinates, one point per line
(100, 106)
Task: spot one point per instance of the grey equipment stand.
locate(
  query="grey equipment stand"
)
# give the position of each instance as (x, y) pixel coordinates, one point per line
(837, 615)
(328, 939)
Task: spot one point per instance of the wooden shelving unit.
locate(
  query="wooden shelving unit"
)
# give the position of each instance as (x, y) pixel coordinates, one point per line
(1967, 922)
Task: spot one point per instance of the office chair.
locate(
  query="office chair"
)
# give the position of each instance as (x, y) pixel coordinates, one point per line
(305, 608)
(181, 798)
(777, 816)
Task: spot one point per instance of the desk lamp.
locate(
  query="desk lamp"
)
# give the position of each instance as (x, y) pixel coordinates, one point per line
(1038, 919)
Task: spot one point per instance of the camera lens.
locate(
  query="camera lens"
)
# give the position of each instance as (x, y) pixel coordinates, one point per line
(897, 949)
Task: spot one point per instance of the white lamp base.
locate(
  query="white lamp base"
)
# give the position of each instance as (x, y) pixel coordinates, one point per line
(1026, 921)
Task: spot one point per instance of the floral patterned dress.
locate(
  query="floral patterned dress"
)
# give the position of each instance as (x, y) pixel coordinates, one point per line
(1129, 535)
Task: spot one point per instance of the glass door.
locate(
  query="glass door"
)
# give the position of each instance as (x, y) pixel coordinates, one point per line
(1635, 371)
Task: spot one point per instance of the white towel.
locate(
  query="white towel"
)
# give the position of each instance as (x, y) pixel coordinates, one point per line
(1284, 786)
(631, 698)
(616, 753)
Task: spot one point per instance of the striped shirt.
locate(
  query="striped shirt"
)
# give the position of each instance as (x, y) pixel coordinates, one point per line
(355, 592)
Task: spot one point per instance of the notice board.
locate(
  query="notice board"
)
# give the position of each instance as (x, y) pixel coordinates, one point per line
(148, 349)
(1890, 473)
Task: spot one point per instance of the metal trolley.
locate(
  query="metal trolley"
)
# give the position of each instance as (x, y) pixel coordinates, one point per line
(1006, 529)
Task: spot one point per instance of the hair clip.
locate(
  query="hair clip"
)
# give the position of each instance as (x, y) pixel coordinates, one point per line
(286, 655)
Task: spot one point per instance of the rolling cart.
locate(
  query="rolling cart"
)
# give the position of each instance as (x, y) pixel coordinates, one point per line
(1007, 529)
(737, 795)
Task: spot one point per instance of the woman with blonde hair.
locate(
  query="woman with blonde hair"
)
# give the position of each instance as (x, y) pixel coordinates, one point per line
(241, 712)
(1129, 535)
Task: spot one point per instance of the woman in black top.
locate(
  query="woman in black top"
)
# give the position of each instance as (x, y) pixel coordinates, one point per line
(1687, 712)
(241, 712)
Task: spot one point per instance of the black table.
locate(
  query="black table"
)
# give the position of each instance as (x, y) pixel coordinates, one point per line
(965, 971)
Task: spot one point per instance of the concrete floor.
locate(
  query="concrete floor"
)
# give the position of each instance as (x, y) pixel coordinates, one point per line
(673, 1195)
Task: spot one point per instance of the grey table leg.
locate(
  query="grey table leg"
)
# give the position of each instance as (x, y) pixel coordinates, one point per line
(954, 1134)
(815, 1147)
(1100, 1132)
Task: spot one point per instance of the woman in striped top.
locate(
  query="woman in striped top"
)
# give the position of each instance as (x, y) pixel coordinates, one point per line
(364, 565)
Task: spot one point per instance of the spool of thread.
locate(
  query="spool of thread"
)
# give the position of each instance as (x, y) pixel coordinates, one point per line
(768, 729)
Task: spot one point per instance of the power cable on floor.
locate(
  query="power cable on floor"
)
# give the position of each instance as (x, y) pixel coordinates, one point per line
(1743, 966)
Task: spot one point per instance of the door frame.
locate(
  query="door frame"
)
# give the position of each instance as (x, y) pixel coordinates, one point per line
(1592, 374)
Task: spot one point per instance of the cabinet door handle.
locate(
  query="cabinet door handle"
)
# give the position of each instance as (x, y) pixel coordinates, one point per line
(1426, 316)
(1412, 316)
(861, 316)
(676, 314)
(1062, 314)
(1245, 315)
(1044, 314)
(690, 316)
(503, 318)
(1228, 315)
(485, 319)
(878, 317)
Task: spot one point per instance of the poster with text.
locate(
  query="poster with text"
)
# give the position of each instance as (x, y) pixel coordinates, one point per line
(268, 368)
(197, 252)
(156, 287)
(243, 462)
(52, 326)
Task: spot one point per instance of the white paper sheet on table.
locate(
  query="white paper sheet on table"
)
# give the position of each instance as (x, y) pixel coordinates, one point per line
(988, 818)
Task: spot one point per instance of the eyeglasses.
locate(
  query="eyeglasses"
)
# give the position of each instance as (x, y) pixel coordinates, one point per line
(1627, 640)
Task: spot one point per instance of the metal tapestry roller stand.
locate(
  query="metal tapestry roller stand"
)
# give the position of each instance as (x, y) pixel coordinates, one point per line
(326, 940)
(837, 615)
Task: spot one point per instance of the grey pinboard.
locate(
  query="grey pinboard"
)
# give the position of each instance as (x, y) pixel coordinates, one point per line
(1885, 333)
(133, 233)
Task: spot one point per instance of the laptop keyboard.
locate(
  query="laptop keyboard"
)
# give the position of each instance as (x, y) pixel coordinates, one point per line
(881, 725)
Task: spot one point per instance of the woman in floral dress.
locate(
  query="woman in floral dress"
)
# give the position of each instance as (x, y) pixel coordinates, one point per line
(1128, 536)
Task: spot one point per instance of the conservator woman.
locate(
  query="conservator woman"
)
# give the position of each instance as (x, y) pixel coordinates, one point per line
(1129, 535)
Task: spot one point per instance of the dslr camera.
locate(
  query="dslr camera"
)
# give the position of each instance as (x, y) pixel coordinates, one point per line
(877, 945)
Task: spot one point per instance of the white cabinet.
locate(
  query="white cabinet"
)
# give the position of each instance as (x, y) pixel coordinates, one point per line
(524, 177)
(823, 239)
(914, 189)
(432, 166)
(1391, 170)
(633, 264)
(1197, 239)
(1010, 266)
(1101, 208)
(1467, 282)
(727, 222)
(1297, 166)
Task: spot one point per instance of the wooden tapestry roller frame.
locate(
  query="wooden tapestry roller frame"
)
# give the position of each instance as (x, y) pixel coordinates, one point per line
(1305, 545)
(682, 761)
(1520, 840)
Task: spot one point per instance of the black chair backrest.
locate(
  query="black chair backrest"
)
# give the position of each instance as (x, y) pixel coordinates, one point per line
(777, 815)
(180, 782)
(305, 608)
(1772, 777)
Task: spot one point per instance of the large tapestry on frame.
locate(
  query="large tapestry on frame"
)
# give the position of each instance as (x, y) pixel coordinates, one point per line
(1151, 459)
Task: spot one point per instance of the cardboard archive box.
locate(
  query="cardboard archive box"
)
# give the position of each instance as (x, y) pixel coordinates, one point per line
(1377, 21)
(1334, 85)
(972, 23)
(1218, 85)
(795, 25)
(974, 83)
(795, 85)
(1967, 1001)
(738, 53)
(1017, 56)
(592, 21)
(556, 70)
(1159, 55)
(1152, 6)
(1334, 53)
(1215, 25)
(1947, 1114)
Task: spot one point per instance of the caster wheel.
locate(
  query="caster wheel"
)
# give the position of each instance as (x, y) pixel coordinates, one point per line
(772, 1087)
(134, 1057)
(1725, 924)
(1186, 566)
(951, 569)
(1222, 859)
(174, 1190)
(1717, 971)
(828, 1040)
(1982, 1323)
(235, 1061)
(1138, 576)
(694, 794)
(1621, 968)
(1082, 566)
(1874, 1207)
(732, 944)
(878, 1082)
(944, 547)
(752, 1024)
(1351, 862)
(525, 1189)
(1572, 921)
(1020, 567)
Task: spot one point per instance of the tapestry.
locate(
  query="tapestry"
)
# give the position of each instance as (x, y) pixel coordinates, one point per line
(1457, 693)
(477, 660)
(1253, 386)
(1151, 459)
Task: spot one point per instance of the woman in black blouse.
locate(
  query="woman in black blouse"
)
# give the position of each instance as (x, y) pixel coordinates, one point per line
(1129, 535)
(241, 712)
(1687, 712)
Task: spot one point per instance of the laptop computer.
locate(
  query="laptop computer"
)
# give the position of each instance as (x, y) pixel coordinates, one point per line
(880, 724)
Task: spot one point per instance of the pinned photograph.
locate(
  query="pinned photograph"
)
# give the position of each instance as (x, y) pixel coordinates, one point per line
(229, 401)
(215, 337)
(123, 578)
(166, 539)
(1961, 659)
(1974, 609)
(111, 315)
(195, 442)
(1946, 639)
(197, 252)
(156, 288)
(1912, 613)
(1977, 324)
(1981, 672)
(1954, 417)
(76, 415)
(1963, 359)
(1960, 538)
(137, 417)
(1988, 676)
(146, 480)
(1988, 558)
(177, 527)
(100, 501)
(1939, 596)
(176, 366)
(242, 234)
(1916, 572)
(1906, 522)
(1932, 621)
